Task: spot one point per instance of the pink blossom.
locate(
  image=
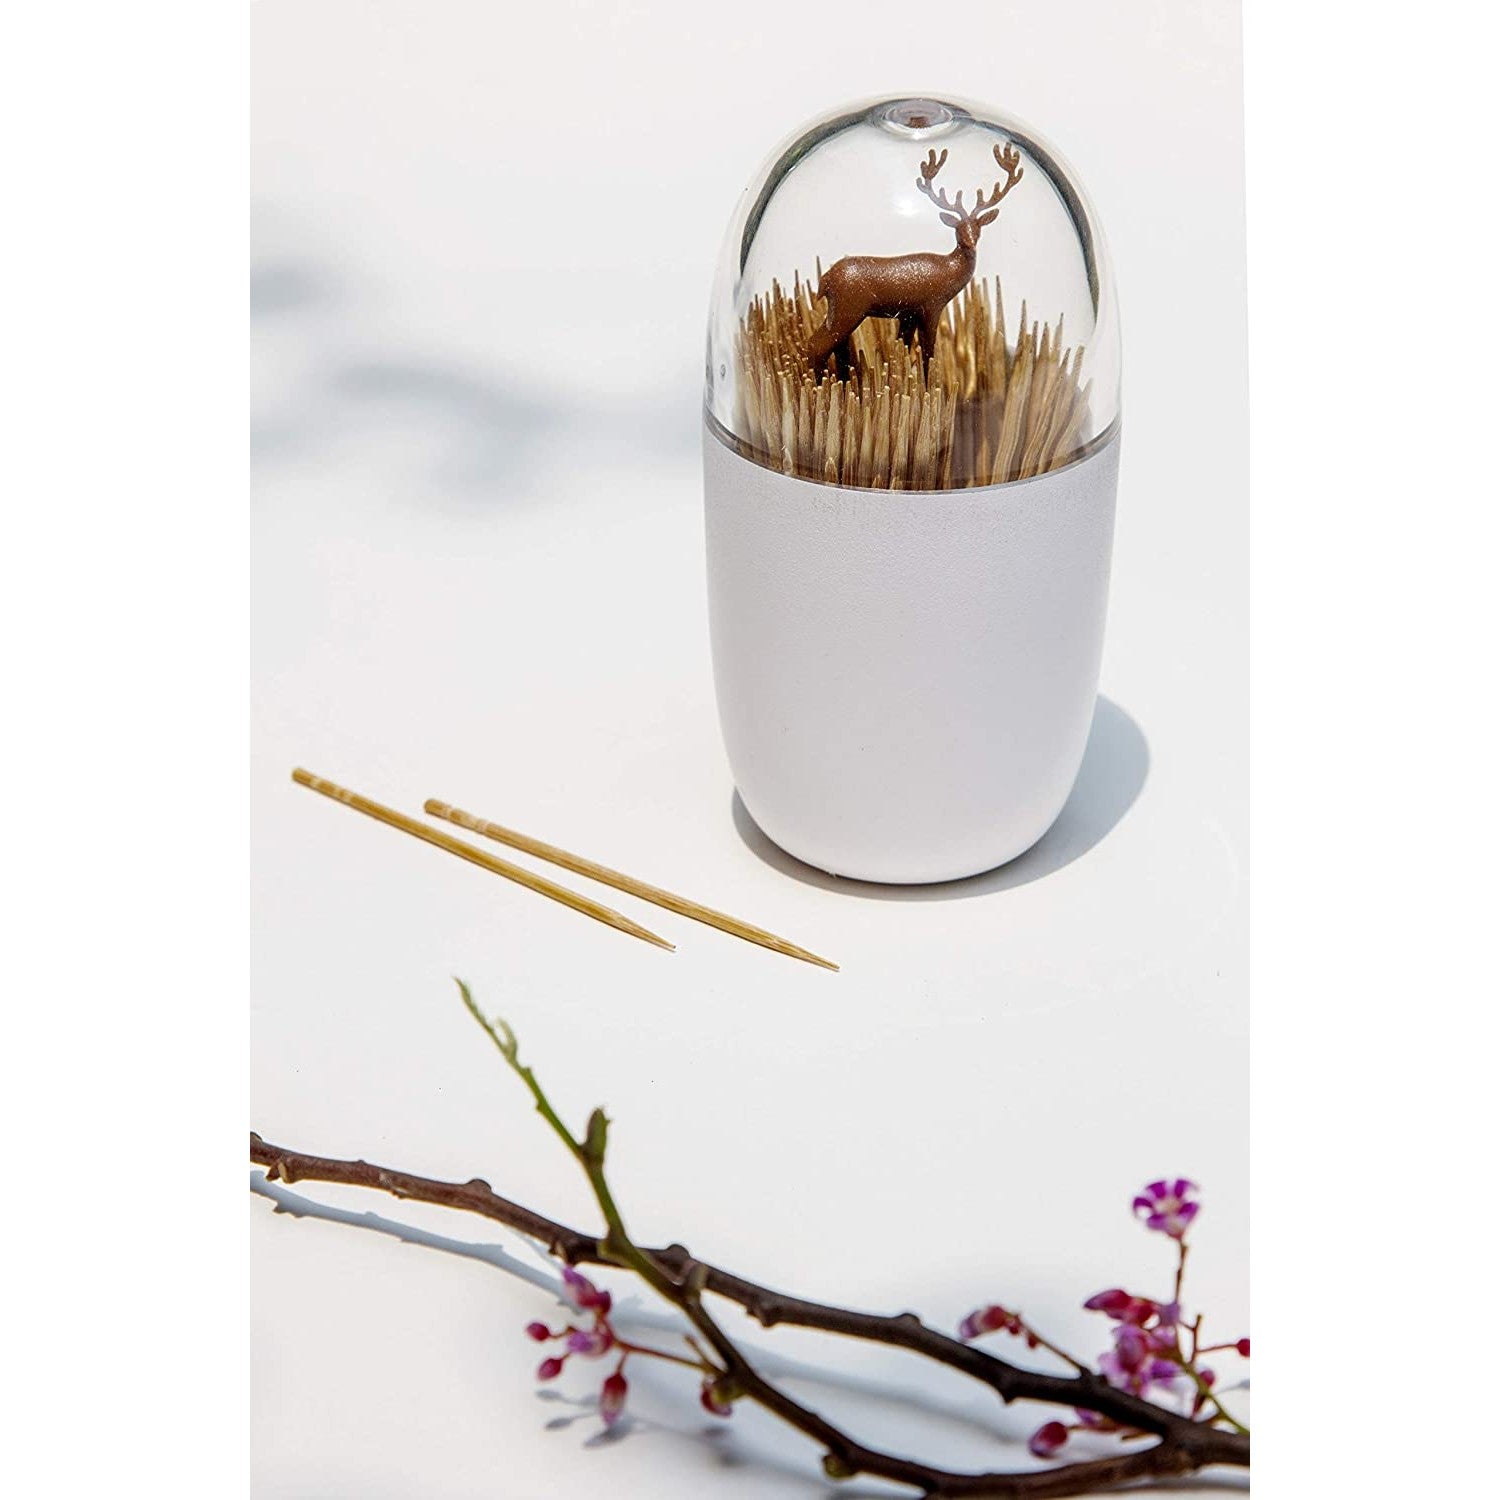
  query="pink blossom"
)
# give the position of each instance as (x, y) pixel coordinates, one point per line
(538, 1331)
(991, 1319)
(1047, 1439)
(1138, 1380)
(1167, 1206)
(581, 1293)
(1135, 1364)
(590, 1342)
(612, 1398)
(549, 1369)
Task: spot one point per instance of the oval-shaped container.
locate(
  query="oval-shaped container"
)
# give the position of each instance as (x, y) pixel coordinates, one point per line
(910, 455)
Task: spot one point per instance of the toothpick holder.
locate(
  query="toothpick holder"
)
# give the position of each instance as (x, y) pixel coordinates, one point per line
(910, 466)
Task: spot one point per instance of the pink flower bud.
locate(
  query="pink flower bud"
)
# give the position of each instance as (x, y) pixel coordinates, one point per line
(1243, 1348)
(582, 1292)
(1047, 1439)
(1125, 1308)
(590, 1342)
(989, 1319)
(612, 1398)
(549, 1369)
(538, 1331)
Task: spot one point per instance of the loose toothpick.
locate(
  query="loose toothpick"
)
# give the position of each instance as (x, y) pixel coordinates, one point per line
(538, 883)
(627, 883)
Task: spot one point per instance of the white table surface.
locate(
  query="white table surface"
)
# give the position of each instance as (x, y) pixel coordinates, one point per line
(478, 576)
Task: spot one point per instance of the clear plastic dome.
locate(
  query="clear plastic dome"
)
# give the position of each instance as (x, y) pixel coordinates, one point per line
(913, 294)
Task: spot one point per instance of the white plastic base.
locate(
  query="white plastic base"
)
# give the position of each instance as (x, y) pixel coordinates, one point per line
(906, 681)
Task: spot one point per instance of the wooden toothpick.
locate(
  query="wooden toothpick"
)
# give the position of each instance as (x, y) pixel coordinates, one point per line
(538, 883)
(602, 873)
(978, 412)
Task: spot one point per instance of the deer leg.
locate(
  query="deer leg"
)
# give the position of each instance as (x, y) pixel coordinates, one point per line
(831, 338)
(835, 337)
(822, 346)
(928, 330)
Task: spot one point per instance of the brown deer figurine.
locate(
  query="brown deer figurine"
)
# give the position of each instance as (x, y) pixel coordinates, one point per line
(913, 288)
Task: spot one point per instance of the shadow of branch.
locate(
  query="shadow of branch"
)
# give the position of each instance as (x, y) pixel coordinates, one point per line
(630, 1313)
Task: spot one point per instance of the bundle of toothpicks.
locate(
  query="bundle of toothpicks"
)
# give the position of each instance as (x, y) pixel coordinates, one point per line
(983, 410)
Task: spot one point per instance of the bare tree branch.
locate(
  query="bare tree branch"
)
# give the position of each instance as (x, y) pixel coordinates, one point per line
(1184, 1445)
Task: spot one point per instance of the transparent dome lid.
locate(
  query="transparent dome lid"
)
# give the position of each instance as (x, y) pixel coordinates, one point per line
(913, 294)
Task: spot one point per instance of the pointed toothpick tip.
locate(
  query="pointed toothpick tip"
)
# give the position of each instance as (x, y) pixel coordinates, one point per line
(645, 934)
(791, 950)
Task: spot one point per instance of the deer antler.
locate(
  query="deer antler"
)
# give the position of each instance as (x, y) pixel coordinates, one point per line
(984, 209)
(1009, 161)
(929, 170)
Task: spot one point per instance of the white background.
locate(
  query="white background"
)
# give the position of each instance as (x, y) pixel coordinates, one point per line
(478, 575)
(122, 1085)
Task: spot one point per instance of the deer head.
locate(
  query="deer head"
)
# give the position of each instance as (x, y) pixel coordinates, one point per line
(966, 223)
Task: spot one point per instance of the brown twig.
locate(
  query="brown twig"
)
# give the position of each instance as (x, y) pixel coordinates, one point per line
(1184, 1445)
